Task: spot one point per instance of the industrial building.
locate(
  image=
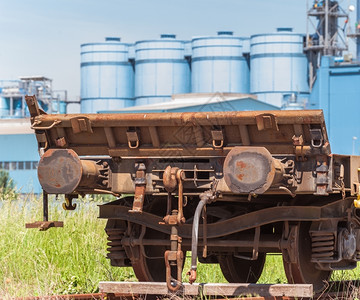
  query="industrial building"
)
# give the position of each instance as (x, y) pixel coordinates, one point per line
(120, 75)
(269, 71)
(18, 151)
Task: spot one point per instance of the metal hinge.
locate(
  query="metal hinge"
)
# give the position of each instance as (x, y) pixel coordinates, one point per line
(217, 138)
(317, 139)
(266, 122)
(133, 139)
(81, 124)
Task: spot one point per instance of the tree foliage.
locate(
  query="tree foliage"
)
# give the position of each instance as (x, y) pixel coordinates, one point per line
(6, 183)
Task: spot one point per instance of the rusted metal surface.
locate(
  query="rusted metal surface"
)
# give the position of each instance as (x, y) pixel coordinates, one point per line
(140, 187)
(59, 171)
(322, 181)
(236, 224)
(80, 124)
(251, 170)
(181, 134)
(268, 243)
(174, 258)
(45, 225)
(297, 258)
(212, 135)
(68, 205)
(115, 230)
(201, 118)
(169, 178)
(277, 188)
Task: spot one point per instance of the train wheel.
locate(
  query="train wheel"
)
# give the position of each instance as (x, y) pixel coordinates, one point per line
(150, 265)
(237, 270)
(303, 271)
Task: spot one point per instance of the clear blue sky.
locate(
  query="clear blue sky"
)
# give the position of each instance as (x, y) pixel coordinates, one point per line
(43, 37)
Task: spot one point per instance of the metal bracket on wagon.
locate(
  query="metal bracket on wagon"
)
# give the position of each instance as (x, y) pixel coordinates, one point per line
(45, 224)
(68, 205)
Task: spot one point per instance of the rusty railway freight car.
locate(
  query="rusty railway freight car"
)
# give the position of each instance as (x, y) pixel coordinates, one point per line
(227, 186)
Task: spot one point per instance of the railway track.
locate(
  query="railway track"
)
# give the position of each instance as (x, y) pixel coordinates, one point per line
(101, 296)
(335, 291)
(93, 296)
(152, 290)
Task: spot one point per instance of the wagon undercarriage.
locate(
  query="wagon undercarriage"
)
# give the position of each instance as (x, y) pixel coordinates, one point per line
(228, 187)
(239, 243)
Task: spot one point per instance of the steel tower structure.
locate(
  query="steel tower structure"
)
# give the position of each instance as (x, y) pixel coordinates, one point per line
(328, 36)
(356, 33)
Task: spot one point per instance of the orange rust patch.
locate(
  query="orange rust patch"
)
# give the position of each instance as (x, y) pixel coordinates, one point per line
(241, 164)
(240, 176)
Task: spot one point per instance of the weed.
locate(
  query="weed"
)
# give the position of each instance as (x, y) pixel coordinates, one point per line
(73, 259)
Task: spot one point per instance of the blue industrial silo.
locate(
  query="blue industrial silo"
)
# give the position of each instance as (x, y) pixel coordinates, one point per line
(107, 76)
(294, 102)
(278, 66)
(161, 69)
(4, 107)
(218, 64)
(59, 107)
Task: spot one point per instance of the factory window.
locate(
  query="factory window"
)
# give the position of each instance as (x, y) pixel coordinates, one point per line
(18, 165)
(28, 165)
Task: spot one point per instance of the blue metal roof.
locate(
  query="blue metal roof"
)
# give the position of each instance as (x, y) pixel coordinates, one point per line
(202, 102)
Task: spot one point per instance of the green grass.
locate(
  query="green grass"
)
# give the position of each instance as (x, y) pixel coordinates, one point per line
(56, 261)
(73, 259)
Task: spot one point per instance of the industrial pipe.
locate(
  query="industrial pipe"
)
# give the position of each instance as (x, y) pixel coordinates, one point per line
(205, 198)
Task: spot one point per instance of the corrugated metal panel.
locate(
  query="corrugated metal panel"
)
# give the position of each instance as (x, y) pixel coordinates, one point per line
(218, 64)
(107, 76)
(161, 70)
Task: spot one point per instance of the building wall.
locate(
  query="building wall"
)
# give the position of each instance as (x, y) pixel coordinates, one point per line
(337, 93)
(18, 155)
